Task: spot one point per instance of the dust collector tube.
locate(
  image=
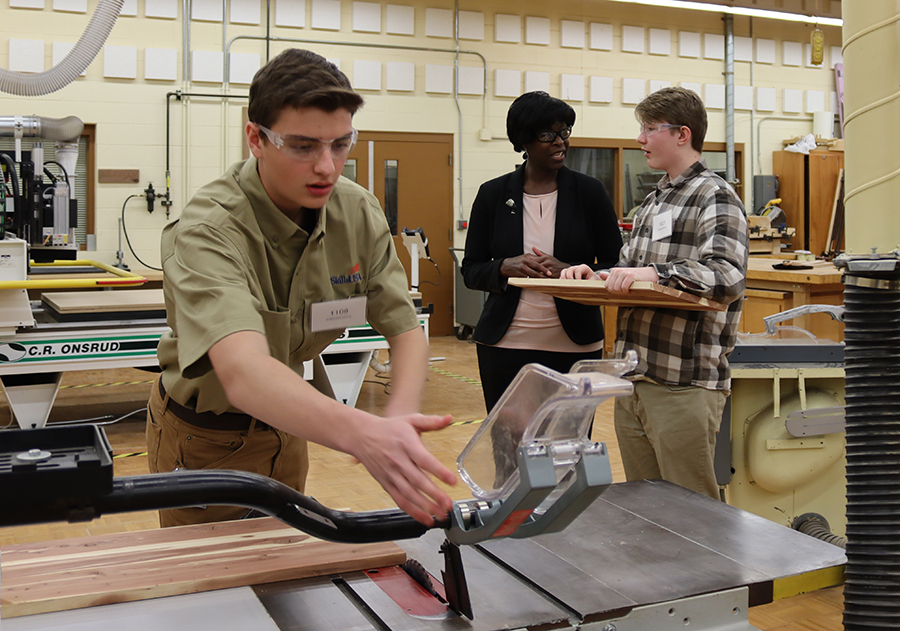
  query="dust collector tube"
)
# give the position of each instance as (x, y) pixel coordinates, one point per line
(872, 368)
(66, 129)
(73, 64)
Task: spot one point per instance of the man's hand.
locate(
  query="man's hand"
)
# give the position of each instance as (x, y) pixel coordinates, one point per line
(392, 451)
(619, 279)
(580, 272)
(390, 448)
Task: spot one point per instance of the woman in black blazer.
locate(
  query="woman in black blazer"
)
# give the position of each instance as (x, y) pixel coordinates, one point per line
(510, 215)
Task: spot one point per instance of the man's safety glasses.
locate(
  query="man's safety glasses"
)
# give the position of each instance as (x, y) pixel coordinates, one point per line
(550, 135)
(652, 130)
(306, 149)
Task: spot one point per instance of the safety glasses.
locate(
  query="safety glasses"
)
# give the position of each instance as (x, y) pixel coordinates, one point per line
(305, 149)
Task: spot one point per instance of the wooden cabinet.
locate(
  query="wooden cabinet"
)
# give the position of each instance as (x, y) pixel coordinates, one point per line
(806, 186)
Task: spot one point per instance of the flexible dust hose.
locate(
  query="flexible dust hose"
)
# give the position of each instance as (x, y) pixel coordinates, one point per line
(377, 366)
(181, 489)
(815, 525)
(73, 64)
(872, 369)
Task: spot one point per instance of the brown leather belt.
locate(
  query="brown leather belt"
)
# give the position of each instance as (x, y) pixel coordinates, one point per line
(227, 421)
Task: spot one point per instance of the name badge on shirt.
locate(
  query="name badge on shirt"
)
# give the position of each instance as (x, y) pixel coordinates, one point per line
(338, 314)
(662, 226)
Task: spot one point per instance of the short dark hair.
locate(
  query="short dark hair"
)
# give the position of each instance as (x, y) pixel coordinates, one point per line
(534, 112)
(677, 106)
(299, 78)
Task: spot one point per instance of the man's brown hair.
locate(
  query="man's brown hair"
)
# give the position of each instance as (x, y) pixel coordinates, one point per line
(299, 78)
(676, 106)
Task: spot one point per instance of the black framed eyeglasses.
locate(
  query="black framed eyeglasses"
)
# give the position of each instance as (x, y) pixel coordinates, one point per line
(549, 135)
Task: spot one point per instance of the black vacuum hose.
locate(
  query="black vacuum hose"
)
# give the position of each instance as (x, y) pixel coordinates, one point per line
(815, 525)
(229, 488)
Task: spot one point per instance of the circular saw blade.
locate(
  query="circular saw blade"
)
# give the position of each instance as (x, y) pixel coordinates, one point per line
(419, 574)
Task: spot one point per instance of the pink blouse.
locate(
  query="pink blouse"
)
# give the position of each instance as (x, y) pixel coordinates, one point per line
(536, 324)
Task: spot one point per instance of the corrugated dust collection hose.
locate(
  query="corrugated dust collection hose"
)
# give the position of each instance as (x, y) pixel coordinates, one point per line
(78, 59)
(872, 336)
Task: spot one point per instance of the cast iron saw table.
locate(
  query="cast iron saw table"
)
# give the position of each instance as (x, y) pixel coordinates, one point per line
(645, 555)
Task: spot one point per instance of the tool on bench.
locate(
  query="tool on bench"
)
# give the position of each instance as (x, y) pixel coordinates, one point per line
(531, 466)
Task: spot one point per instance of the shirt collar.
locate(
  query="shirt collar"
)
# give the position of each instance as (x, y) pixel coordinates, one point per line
(692, 171)
(275, 225)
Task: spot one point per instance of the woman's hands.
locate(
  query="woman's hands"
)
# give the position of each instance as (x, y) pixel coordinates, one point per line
(535, 264)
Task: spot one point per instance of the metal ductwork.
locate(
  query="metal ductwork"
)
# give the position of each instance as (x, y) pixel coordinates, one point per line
(66, 129)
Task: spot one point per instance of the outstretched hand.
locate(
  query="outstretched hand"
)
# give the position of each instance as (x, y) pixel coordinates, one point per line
(392, 451)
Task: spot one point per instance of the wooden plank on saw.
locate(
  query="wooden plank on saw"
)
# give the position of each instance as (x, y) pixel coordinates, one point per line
(123, 567)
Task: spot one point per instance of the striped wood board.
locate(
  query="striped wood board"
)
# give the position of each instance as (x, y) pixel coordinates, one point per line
(643, 294)
(123, 567)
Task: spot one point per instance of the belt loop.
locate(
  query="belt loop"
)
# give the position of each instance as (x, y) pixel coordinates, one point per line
(164, 395)
(252, 429)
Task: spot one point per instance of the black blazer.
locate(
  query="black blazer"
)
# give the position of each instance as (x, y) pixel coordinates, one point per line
(586, 230)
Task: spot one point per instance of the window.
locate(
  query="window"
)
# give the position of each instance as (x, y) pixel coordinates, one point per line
(622, 167)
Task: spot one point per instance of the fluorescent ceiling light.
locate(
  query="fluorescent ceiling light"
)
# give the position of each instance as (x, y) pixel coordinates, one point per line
(721, 8)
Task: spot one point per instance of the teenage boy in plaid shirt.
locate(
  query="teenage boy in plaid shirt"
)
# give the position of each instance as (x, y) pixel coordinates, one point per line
(690, 233)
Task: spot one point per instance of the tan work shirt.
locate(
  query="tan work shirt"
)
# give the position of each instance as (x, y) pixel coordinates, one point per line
(234, 262)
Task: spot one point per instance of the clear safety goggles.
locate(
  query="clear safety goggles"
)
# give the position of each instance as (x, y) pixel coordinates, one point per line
(652, 130)
(305, 149)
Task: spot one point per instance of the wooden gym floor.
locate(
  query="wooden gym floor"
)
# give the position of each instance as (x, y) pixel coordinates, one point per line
(335, 481)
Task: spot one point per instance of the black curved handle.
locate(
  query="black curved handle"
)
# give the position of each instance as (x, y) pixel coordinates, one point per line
(181, 489)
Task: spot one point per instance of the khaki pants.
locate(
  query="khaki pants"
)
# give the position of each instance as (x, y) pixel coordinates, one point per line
(175, 444)
(669, 432)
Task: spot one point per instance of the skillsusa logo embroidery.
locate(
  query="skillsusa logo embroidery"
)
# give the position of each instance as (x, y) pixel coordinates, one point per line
(353, 277)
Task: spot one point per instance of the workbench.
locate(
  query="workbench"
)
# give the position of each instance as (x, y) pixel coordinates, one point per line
(770, 291)
(646, 555)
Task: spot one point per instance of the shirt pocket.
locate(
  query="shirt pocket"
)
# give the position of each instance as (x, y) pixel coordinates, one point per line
(279, 331)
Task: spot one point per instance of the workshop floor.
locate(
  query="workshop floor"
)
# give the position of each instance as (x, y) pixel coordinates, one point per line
(334, 480)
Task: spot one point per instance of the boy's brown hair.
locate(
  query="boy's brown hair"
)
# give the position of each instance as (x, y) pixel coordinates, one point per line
(676, 106)
(299, 78)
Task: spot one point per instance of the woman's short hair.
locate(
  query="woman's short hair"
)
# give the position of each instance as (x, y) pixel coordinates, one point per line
(299, 78)
(534, 112)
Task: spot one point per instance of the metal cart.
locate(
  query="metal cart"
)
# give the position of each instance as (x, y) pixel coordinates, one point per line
(469, 302)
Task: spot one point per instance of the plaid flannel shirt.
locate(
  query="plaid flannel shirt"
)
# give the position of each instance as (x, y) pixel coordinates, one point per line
(706, 255)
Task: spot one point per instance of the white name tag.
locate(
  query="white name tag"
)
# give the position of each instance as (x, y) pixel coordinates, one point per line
(338, 314)
(662, 226)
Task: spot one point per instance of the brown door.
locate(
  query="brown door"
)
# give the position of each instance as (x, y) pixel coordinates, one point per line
(412, 177)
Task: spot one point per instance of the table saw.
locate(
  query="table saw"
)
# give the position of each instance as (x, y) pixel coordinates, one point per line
(645, 555)
(548, 543)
